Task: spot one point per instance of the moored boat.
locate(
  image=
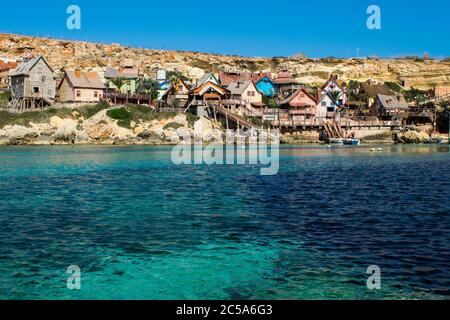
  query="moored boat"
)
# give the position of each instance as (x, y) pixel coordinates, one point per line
(338, 141)
(352, 142)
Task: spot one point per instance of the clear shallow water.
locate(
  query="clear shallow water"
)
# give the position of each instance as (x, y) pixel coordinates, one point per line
(142, 228)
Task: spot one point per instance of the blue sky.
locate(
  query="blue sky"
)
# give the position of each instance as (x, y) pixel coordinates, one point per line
(248, 28)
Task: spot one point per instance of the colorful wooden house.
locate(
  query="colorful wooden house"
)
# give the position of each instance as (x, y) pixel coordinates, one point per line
(369, 93)
(266, 86)
(389, 106)
(178, 94)
(78, 86)
(327, 109)
(209, 91)
(333, 85)
(286, 84)
(208, 88)
(299, 107)
(129, 72)
(33, 84)
(245, 91)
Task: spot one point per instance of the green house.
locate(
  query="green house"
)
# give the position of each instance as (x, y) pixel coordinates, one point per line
(130, 73)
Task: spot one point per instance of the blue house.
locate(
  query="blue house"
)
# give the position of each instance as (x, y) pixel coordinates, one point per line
(266, 87)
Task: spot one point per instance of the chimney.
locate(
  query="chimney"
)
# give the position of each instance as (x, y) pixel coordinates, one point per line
(77, 73)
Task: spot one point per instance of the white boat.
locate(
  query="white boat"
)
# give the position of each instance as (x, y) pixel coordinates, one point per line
(338, 141)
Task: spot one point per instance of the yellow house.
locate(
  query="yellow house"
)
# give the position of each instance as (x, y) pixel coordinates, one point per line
(79, 86)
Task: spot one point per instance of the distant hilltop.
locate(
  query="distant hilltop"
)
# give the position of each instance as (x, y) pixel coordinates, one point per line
(64, 54)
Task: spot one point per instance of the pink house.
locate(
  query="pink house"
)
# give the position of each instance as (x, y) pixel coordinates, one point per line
(299, 107)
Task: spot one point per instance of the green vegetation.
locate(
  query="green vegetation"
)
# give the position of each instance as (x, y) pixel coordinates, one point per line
(122, 115)
(270, 102)
(25, 118)
(4, 99)
(148, 87)
(335, 95)
(353, 90)
(119, 82)
(258, 122)
(138, 113)
(191, 118)
(177, 74)
(414, 95)
(444, 106)
(393, 86)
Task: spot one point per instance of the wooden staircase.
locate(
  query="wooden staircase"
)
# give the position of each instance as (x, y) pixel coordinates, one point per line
(333, 130)
(240, 121)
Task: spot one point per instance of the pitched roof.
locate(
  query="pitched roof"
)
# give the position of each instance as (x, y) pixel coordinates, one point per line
(85, 80)
(237, 88)
(111, 73)
(372, 90)
(391, 102)
(226, 78)
(6, 66)
(200, 90)
(295, 94)
(204, 79)
(25, 67)
(285, 78)
(333, 78)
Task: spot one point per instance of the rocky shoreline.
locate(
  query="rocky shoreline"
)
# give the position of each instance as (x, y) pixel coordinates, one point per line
(102, 130)
(71, 127)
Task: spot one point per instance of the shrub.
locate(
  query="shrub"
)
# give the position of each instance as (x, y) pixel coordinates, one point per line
(4, 99)
(122, 115)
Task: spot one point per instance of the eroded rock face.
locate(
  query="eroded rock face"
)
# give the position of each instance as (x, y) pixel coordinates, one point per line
(90, 56)
(65, 129)
(18, 135)
(412, 137)
(203, 129)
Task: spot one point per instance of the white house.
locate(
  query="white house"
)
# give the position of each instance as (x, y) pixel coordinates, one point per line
(327, 109)
(333, 85)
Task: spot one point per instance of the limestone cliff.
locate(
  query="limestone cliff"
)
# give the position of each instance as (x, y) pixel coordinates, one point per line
(75, 54)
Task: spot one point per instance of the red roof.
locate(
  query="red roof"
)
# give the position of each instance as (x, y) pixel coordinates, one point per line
(226, 78)
(285, 78)
(6, 66)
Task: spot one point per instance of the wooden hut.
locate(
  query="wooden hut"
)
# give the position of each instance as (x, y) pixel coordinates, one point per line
(33, 85)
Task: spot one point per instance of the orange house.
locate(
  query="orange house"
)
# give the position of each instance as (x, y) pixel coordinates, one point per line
(209, 91)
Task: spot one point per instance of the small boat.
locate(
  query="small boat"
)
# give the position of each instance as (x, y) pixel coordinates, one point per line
(337, 141)
(433, 141)
(352, 142)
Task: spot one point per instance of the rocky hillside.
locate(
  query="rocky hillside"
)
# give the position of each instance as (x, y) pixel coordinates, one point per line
(72, 54)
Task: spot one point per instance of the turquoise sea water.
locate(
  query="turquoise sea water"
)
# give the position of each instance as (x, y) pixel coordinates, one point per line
(141, 227)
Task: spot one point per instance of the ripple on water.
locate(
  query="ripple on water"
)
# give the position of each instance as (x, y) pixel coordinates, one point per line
(141, 227)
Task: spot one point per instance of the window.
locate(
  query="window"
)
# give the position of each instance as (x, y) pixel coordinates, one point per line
(95, 94)
(43, 78)
(78, 93)
(324, 104)
(330, 109)
(35, 89)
